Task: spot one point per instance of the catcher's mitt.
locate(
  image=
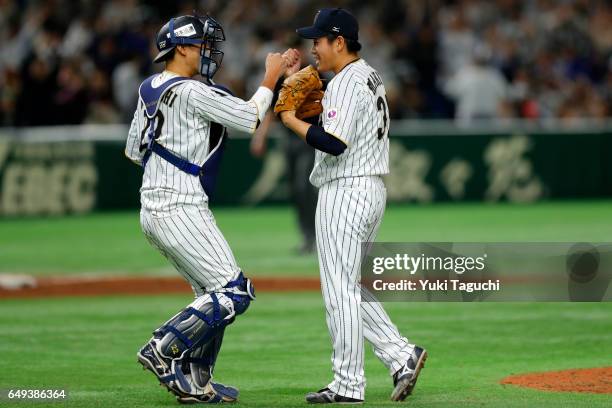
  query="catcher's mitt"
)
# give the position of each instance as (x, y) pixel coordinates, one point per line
(311, 105)
(296, 88)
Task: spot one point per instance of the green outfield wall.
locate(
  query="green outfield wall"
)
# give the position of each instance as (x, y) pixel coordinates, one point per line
(80, 169)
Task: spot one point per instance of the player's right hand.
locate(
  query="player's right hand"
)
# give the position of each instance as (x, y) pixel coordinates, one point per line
(293, 60)
(275, 64)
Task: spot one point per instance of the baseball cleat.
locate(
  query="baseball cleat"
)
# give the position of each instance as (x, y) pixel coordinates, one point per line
(327, 396)
(151, 360)
(406, 377)
(214, 393)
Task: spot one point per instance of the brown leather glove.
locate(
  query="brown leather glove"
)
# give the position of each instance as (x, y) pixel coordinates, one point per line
(296, 89)
(311, 105)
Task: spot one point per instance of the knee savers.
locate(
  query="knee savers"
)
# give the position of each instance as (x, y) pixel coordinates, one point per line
(241, 291)
(204, 318)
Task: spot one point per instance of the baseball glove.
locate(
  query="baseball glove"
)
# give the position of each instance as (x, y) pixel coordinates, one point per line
(296, 88)
(311, 105)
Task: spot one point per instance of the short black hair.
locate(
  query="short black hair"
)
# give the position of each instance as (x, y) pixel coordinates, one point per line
(352, 46)
(169, 56)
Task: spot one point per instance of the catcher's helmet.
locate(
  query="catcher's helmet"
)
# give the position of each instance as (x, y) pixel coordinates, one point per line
(193, 30)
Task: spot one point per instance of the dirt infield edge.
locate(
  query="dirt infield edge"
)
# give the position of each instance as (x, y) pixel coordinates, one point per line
(587, 380)
(29, 287)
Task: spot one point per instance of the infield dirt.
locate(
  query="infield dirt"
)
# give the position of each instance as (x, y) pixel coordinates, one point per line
(591, 380)
(98, 286)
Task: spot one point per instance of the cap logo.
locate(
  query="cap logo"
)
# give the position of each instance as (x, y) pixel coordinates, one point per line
(162, 44)
(335, 29)
(184, 31)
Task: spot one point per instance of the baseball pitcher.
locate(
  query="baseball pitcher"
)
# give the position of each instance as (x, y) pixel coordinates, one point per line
(352, 154)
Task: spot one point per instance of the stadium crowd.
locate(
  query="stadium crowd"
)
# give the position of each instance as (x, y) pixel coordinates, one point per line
(72, 62)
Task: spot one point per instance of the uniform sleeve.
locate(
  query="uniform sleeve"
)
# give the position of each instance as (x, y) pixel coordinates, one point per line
(226, 110)
(323, 141)
(341, 107)
(132, 146)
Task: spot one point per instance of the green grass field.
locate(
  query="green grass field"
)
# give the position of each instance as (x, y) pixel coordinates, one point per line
(264, 240)
(280, 348)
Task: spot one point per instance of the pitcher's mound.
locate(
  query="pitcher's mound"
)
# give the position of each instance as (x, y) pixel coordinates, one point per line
(594, 380)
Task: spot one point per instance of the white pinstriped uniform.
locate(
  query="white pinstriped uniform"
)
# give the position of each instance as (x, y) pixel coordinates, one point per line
(174, 215)
(351, 205)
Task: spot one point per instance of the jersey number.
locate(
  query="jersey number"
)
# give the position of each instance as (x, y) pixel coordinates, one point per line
(158, 120)
(381, 104)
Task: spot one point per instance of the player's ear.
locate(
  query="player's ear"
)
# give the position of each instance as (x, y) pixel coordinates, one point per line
(340, 44)
(181, 49)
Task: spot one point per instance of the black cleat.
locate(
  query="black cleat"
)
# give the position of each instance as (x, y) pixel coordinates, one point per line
(327, 396)
(151, 360)
(406, 377)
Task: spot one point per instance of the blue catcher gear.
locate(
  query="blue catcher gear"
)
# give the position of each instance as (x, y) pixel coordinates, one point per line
(207, 173)
(202, 31)
(151, 360)
(213, 393)
(188, 344)
(210, 392)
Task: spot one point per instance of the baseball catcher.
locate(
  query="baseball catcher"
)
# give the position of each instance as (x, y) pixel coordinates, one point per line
(178, 135)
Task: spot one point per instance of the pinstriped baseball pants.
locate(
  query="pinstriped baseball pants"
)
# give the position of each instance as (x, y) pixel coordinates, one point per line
(189, 238)
(349, 212)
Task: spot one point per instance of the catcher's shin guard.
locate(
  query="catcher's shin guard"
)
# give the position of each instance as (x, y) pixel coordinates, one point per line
(194, 371)
(192, 338)
(197, 324)
(202, 360)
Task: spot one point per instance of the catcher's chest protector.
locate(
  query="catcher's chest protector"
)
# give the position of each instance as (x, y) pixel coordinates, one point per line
(151, 97)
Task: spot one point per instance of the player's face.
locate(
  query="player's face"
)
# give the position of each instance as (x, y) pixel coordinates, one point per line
(193, 57)
(190, 58)
(323, 52)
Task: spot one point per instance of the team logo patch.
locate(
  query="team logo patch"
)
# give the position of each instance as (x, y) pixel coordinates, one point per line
(184, 31)
(332, 114)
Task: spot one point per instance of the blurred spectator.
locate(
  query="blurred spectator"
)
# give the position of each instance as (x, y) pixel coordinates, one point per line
(10, 83)
(78, 38)
(550, 56)
(457, 40)
(71, 100)
(479, 89)
(35, 104)
(100, 100)
(124, 77)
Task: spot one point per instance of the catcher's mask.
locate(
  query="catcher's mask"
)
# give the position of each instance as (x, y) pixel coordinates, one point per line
(204, 31)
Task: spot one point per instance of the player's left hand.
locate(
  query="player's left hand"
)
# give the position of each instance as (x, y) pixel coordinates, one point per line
(293, 61)
(311, 106)
(296, 88)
